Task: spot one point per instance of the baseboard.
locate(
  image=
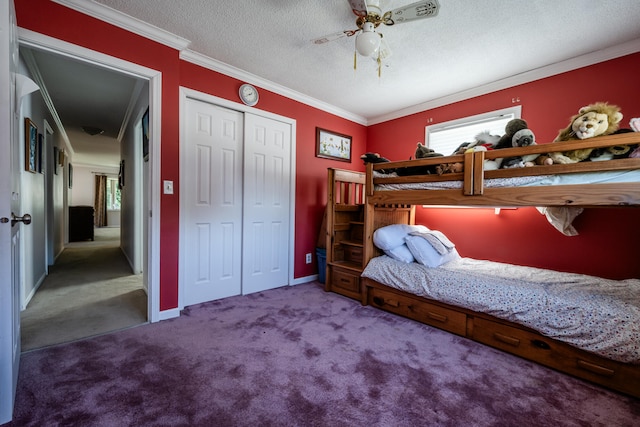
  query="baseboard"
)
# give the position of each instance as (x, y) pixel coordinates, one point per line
(169, 314)
(32, 293)
(302, 280)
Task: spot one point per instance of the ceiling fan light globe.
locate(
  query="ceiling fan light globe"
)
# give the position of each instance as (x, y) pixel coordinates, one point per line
(367, 42)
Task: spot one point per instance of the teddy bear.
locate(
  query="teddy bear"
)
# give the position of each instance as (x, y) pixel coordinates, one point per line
(376, 158)
(422, 152)
(592, 120)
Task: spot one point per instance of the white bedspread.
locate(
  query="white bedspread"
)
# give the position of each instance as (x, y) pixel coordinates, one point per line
(597, 315)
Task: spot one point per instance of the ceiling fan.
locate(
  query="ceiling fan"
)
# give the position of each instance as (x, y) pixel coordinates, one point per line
(369, 14)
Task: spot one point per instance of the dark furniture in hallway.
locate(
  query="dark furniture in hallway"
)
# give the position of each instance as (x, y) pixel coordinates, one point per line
(80, 223)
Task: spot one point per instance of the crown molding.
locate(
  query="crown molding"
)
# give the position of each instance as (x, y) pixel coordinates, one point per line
(571, 64)
(121, 20)
(124, 21)
(226, 69)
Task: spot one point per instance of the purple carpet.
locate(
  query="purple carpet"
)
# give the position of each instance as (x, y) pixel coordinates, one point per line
(299, 356)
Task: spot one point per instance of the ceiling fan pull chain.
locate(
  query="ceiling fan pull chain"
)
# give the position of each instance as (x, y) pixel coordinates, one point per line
(379, 66)
(355, 59)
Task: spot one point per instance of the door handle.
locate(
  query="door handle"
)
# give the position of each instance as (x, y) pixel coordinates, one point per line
(26, 219)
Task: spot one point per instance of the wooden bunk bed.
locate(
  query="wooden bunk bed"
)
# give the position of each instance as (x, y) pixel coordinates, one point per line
(383, 207)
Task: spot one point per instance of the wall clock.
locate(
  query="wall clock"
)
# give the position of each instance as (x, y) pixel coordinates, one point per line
(248, 94)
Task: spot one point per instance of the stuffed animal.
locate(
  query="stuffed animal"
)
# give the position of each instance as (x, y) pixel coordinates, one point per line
(511, 128)
(422, 152)
(635, 125)
(375, 158)
(484, 142)
(613, 152)
(522, 138)
(593, 120)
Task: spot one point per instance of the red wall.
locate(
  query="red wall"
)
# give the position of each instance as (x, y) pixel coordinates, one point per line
(608, 244)
(59, 22)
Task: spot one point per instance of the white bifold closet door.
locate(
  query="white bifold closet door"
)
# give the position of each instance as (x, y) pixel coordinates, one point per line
(236, 203)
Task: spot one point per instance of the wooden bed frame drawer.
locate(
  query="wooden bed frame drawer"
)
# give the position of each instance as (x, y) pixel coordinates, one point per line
(557, 355)
(353, 254)
(430, 314)
(516, 341)
(346, 280)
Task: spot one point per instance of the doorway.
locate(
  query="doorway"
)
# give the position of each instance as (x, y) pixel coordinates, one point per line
(145, 185)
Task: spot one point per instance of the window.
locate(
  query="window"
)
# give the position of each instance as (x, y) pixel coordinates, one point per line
(445, 137)
(113, 194)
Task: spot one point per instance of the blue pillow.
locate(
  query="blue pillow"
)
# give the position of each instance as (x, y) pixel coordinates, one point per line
(401, 253)
(391, 236)
(426, 255)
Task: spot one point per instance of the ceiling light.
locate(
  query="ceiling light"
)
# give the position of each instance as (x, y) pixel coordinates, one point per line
(367, 42)
(91, 130)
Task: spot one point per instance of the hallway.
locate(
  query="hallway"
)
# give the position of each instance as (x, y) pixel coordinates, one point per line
(89, 291)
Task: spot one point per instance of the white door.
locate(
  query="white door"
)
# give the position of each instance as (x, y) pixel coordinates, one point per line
(9, 202)
(212, 202)
(267, 169)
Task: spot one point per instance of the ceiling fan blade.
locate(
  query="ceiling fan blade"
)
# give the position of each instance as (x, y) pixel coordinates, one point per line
(411, 12)
(335, 36)
(359, 7)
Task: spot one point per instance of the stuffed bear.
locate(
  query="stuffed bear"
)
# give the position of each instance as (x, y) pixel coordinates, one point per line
(375, 158)
(422, 152)
(593, 120)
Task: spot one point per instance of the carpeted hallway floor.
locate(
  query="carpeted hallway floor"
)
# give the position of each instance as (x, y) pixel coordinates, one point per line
(89, 291)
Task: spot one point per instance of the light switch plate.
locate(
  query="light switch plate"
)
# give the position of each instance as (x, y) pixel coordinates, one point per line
(168, 187)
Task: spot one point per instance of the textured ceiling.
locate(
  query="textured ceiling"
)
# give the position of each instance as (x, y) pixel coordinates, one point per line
(468, 44)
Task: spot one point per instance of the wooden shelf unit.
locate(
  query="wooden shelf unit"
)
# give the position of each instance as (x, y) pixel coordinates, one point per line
(345, 232)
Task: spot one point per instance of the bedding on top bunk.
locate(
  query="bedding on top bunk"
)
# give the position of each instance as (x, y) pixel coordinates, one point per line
(598, 315)
(522, 181)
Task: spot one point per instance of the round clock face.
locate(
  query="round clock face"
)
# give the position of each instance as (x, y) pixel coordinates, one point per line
(248, 94)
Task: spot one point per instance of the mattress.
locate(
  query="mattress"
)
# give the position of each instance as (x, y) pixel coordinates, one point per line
(523, 181)
(597, 315)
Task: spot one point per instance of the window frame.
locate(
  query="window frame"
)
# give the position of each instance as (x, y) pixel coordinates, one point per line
(488, 117)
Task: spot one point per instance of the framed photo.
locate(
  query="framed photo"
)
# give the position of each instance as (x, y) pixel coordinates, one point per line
(121, 175)
(30, 146)
(333, 145)
(70, 175)
(55, 160)
(145, 136)
(40, 154)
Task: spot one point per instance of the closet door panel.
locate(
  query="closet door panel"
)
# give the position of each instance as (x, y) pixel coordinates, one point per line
(266, 203)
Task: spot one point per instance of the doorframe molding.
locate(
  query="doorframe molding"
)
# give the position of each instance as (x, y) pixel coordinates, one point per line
(76, 52)
(186, 93)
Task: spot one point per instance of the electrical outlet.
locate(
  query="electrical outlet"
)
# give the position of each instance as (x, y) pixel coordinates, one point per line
(308, 258)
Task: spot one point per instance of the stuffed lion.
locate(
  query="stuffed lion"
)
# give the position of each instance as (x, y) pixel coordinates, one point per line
(593, 120)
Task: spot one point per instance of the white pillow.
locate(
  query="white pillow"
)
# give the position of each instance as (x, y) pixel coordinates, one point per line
(392, 236)
(401, 253)
(426, 255)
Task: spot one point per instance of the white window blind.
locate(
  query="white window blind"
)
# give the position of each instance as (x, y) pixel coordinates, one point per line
(445, 137)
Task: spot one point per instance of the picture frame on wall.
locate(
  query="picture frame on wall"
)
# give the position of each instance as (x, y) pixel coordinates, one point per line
(333, 145)
(70, 175)
(40, 154)
(145, 136)
(55, 160)
(121, 175)
(30, 145)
